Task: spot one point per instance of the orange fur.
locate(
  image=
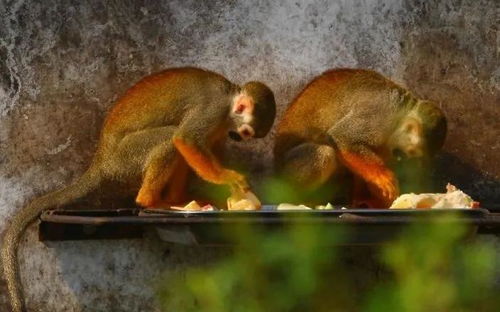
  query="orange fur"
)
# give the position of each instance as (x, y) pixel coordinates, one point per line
(362, 111)
(373, 171)
(146, 91)
(135, 148)
(208, 169)
(155, 179)
(177, 189)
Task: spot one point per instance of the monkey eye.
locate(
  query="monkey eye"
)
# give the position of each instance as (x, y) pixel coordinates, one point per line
(239, 109)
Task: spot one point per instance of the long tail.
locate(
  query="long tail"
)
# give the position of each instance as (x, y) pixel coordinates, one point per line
(83, 186)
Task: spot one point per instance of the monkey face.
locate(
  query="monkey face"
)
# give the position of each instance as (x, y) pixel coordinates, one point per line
(434, 125)
(407, 141)
(263, 107)
(243, 132)
(242, 117)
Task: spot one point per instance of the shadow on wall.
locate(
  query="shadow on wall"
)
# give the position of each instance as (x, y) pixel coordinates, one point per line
(445, 62)
(480, 186)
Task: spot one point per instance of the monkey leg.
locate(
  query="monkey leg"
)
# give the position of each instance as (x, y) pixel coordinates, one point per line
(158, 169)
(309, 165)
(354, 138)
(365, 163)
(361, 195)
(176, 192)
(128, 158)
(148, 157)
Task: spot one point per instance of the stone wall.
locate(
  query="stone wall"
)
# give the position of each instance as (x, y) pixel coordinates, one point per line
(63, 64)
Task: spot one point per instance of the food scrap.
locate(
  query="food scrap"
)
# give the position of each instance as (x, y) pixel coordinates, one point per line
(286, 206)
(193, 206)
(243, 201)
(453, 198)
(328, 206)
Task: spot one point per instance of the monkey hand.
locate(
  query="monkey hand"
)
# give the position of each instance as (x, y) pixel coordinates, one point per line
(386, 188)
(236, 181)
(245, 201)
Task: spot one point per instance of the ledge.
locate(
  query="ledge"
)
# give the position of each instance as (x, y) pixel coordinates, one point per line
(367, 226)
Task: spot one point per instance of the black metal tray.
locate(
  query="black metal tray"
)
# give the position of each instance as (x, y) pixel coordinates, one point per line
(269, 211)
(204, 227)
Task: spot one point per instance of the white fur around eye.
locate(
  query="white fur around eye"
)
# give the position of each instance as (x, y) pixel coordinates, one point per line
(247, 117)
(415, 139)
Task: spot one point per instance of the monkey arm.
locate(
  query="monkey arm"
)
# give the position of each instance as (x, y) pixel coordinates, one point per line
(200, 159)
(192, 140)
(354, 136)
(369, 166)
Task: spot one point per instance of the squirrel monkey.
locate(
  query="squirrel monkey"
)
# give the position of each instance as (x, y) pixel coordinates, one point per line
(164, 126)
(359, 120)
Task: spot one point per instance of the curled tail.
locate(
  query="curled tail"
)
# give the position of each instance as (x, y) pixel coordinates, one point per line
(89, 181)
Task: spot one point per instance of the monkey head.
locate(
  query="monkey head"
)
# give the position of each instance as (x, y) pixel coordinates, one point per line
(252, 112)
(420, 133)
(434, 125)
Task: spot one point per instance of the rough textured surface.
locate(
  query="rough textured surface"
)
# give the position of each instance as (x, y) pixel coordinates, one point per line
(63, 63)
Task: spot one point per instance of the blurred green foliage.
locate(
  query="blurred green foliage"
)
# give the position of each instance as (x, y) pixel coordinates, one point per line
(277, 190)
(429, 267)
(433, 269)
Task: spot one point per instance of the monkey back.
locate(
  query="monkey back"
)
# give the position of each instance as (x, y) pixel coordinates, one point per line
(361, 99)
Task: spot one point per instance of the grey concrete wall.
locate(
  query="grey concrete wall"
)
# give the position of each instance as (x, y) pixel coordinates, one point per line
(63, 63)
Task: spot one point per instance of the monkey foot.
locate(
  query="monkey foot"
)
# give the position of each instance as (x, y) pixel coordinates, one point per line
(164, 204)
(146, 199)
(370, 203)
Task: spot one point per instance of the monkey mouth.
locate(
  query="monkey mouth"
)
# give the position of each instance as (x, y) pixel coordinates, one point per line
(398, 154)
(235, 136)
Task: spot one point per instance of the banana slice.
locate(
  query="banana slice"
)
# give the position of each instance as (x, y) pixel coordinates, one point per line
(192, 206)
(243, 201)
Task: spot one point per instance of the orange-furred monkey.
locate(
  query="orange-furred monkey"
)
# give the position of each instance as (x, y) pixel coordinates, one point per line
(359, 120)
(163, 127)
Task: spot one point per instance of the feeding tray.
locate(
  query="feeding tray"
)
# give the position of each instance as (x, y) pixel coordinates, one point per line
(366, 226)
